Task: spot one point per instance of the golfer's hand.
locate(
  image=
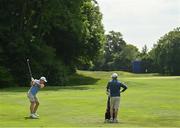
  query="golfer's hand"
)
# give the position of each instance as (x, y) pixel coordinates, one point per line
(32, 79)
(107, 93)
(41, 85)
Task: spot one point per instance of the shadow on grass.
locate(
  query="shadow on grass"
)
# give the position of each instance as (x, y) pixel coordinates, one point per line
(76, 82)
(78, 79)
(30, 118)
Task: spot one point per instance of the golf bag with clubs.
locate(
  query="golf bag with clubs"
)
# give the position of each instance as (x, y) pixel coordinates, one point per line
(107, 114)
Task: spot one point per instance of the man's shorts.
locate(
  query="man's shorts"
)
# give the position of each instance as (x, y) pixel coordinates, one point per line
(32, 98)
(114, 102)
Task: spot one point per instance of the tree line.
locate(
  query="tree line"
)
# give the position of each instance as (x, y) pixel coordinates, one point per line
(60, 36)
(163, 58)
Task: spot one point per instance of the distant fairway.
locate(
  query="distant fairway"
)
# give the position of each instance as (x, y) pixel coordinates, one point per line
(150, 101)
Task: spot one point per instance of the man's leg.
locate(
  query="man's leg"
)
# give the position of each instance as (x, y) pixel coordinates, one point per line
(111, 107)
(32, 102)
(115, 114)
(32, 106)
(111, 112)
(116, 106)
(36, 106)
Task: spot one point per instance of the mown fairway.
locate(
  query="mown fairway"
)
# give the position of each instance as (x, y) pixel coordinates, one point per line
(150, 101)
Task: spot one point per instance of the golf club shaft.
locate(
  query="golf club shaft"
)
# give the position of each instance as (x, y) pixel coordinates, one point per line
(29, 68)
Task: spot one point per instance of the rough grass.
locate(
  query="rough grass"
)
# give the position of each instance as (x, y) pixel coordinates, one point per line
(150, 101)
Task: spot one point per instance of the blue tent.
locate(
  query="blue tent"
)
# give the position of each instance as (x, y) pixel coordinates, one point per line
(137, 66)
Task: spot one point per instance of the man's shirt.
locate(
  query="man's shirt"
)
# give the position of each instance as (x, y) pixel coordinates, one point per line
(114, 86)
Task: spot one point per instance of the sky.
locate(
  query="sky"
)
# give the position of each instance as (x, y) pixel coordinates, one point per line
(140, 21)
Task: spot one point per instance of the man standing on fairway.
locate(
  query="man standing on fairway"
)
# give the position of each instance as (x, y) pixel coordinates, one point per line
(114, 90)
(36, 85)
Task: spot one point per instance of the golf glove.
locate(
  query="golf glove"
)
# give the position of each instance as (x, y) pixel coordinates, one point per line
(32, 79)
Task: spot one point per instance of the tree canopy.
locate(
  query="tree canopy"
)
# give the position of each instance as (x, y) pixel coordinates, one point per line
(166, 53)
(56, 35)
(117, 55)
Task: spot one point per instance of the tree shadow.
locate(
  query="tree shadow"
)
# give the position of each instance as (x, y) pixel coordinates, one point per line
(75, 82)
(57, 88)
(78, 79)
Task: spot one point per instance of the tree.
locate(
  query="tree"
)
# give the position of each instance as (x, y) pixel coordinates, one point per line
(144, 50)
(114, 44)
(56, 35)
(117, 54)
(167, 53)
(93, 31)
(124, 59)
(146, 61)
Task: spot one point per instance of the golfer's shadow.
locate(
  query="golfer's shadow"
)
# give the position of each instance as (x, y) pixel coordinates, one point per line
(30, 118)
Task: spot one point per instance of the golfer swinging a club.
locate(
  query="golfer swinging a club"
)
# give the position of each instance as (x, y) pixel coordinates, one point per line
(36, 85)
(114, 90)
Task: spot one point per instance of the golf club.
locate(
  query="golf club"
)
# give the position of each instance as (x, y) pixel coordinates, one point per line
(30, 73)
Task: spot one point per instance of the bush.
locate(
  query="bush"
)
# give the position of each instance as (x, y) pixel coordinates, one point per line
(6, 79)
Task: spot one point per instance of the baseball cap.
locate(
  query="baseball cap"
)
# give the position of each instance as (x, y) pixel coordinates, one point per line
(114, 75)
(43, 78)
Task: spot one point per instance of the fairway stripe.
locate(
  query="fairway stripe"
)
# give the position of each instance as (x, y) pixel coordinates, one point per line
(160, 77)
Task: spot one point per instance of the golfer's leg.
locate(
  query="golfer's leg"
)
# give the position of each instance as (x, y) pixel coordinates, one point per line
(32, 102)
(36, 107)
(37, 104)
(32, 106)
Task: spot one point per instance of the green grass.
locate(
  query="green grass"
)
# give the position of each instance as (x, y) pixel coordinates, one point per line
(150, 101)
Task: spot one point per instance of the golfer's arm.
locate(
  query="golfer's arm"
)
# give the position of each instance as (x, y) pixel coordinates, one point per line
(41, 85)
(124, 87)
(32, 83)
(107, 87)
